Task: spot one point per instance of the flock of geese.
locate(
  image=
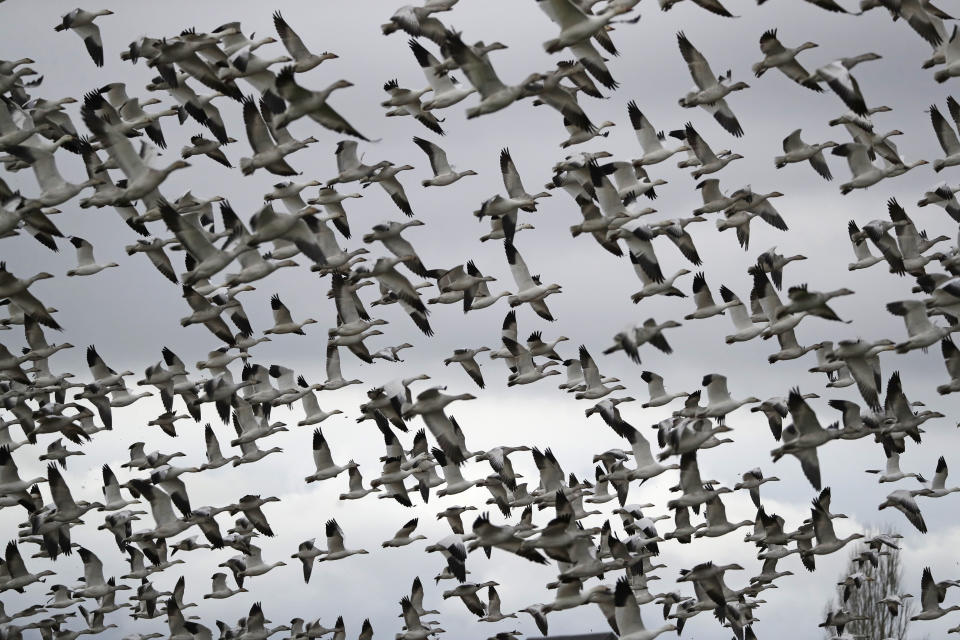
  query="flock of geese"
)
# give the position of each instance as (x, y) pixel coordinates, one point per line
(600, 559)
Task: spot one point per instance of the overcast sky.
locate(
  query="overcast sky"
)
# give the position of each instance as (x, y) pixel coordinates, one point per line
(131, 312)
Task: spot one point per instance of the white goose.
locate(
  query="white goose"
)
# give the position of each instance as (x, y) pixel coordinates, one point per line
(494, 95)
(335, 549)
(82, 23)
(658, 394)
(443, 173)
(796, 150)
(86, 264)
(303, 58)
(711, 90)
(446, 91)
(947, 137)
(650, 139)
(323, 460)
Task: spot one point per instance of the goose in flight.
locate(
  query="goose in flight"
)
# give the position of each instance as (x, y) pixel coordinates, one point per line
(86, 264)
(407, 102)
(951, 53)
(467, 359)
(706, 307)
(419, 21)
(443, 173)
(82, 23)
(627, 614)
(323, 460)
(796, 150)
(283, 321)
(403, 536)
(865, 173)
(931, 596)
(709, 162)
(921, 333)
(944, 196)
(219, 589)
(947, 137)
(270, 143)
(575, 24)
(838, 77)
(713, 6)
(529, 290)
(651, 140)
(446, 90)
(494, 95)
(711, 90)
(335, 549)
(776, 56)
(303, 58)
(201, 146)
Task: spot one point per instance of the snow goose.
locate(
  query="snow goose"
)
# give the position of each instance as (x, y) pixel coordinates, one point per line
(938, 488)
(494, 614)
(446, 90)
(713, 6)
(142, 179)
(575, 24)
(595, 387)
(776, 56)
(529, 290)
(658, 394)
(651, 287)
(706, 307)
(82, 23)
(270, 142)
(951, 52)
(774, 263)
(796, 150)
(356, 489)
(335, 549)
(719, 402)
(717, 524)
(413, 627)
(710, 162)
(303, 58)
(627, 615)
(402, 538)
(891, 472)
(86, 265)
(18, 576)
(745, 328)
(467, 359)
(947, 137)
(921, 333)
(386, 177)
(838, 77)
(443, 173)
(931, 594)
(219, 589)
(323, 460)
(951, 358)
(283, 322)
(419, 21)
(54, 189)
(335, 379)
(205, 147)
(710, 90)
(713, 199)
(307, 552)
(944, 196)
(494, 95)
(634, 335)
(903, 501)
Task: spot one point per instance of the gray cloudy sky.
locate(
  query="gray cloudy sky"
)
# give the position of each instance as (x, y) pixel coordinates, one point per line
(131, 312)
